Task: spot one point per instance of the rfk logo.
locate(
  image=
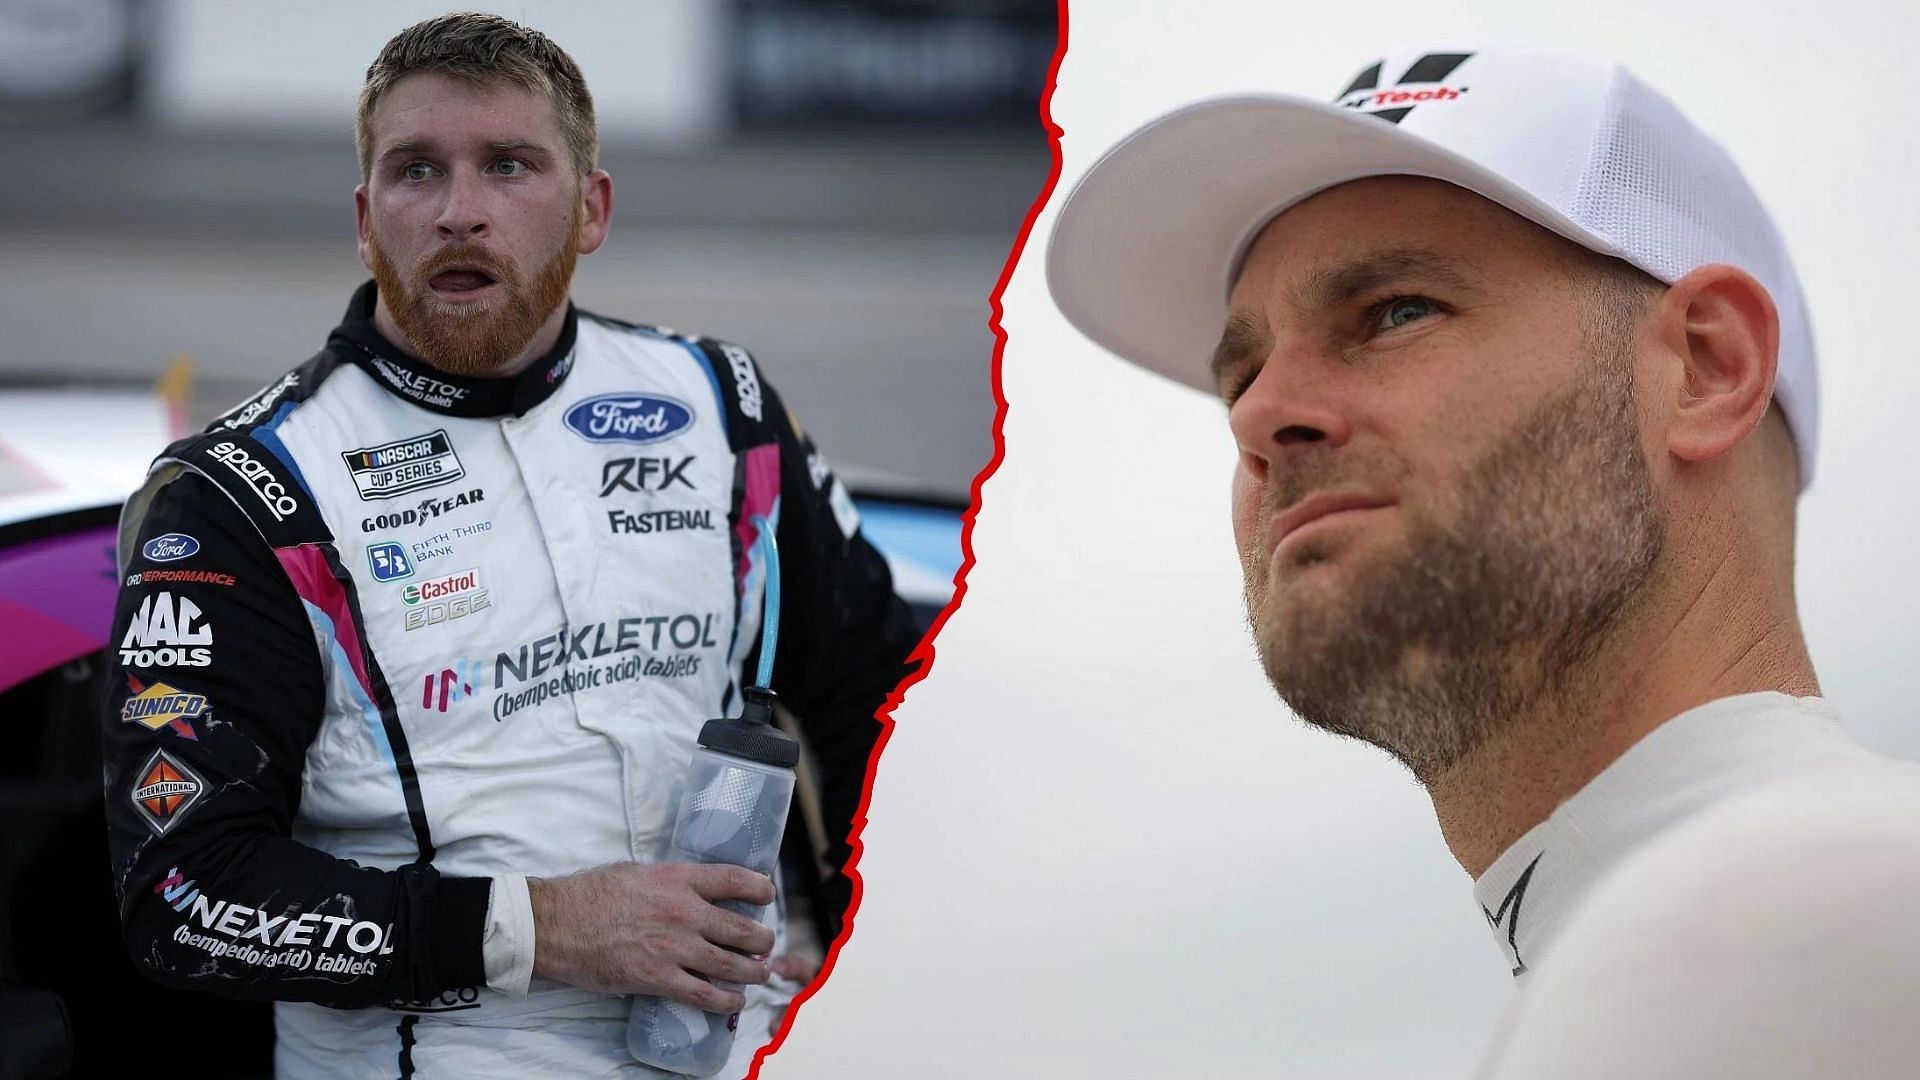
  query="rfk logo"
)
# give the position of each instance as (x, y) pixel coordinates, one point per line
(450, 685)
(644, 474)
(1365, 91)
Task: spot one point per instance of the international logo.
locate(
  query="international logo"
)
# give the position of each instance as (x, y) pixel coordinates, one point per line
(629, 418)
(165, 789)
(1423, 81)
(450, 686)
(746, 382)
(444, 599)
(167, 631)
(163, 706)
(644, 474)
(388, 562)
(171, 547)
(258, 477)
(396, 468)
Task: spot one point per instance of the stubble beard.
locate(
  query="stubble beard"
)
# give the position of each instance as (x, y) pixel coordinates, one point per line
(1430, 654)
(475, 339)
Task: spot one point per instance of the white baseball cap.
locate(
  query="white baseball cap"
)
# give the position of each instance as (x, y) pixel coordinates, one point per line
(1145, 249)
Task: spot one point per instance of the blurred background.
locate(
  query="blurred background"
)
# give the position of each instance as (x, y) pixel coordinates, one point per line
(834, 184)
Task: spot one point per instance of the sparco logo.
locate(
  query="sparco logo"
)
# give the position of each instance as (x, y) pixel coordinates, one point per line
(644, 474)
(396, 468)
(632, 418)
(425, 512)
(745, 380)
(1426, 73)
(419, 386)
(258, 477)
(258, 407)
(167, 632)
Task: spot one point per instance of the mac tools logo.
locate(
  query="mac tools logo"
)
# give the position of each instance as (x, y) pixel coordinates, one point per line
(1422, 82)
(629, 418)
(167, 632)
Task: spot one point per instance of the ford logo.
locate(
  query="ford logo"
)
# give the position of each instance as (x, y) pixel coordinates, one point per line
(170, 548)
(629, 418)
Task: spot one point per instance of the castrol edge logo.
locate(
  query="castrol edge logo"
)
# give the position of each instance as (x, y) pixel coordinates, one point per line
(258, 477)
(441, 588)
(443, 599)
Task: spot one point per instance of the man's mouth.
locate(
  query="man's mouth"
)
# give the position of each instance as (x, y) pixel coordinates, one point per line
(459, 283)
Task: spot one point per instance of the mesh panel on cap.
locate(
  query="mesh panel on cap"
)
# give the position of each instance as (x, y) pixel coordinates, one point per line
(1669, 198)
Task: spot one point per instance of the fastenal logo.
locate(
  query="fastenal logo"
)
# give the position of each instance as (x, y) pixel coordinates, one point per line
(631, 418)
(389, 562)
(171, 547)
(163, 706)
(384, 472)
(258, 477)
(164, 791)
(167, 632)
(1393, 103)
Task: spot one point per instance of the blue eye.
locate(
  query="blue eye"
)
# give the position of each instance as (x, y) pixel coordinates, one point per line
(1402, 310)
(416, 170)
(517, 166)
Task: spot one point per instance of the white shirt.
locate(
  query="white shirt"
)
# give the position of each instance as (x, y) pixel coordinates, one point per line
(1738, 895)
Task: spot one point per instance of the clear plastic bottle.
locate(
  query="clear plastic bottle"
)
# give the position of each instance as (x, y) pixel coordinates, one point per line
(739, 787)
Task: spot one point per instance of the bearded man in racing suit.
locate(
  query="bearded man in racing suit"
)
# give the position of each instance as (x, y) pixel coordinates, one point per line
(413, 646)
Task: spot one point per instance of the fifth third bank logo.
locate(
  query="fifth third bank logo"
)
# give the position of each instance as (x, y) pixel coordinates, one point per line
(1424, 80)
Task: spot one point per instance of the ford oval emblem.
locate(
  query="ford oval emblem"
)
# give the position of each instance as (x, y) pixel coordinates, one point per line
(629, 418)
(170, 548)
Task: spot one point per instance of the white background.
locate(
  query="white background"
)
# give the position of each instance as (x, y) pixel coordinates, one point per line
(1099, 847)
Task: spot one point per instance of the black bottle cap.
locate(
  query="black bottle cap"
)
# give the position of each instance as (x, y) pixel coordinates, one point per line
(752, 734)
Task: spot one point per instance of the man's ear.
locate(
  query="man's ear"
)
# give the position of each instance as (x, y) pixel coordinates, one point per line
(1721, 325)
(363, 223)
(596, 210)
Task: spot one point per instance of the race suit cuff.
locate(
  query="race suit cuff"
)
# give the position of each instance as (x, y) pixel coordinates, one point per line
(459, 918)
(508, 945)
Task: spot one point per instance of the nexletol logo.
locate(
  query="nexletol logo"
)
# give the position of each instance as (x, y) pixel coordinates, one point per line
(1422, 82)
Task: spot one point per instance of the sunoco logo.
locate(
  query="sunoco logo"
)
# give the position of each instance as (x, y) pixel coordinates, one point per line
(1420, 83)
(630, 418)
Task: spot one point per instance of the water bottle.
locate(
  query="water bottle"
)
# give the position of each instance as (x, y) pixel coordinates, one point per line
(739, 787)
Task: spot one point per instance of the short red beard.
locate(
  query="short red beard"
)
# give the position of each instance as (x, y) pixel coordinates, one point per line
(477, 339)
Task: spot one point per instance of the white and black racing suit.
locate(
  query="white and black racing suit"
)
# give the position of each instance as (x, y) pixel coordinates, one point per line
(390, 641)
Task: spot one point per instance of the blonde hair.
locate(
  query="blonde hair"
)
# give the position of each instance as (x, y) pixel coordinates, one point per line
(483, 50)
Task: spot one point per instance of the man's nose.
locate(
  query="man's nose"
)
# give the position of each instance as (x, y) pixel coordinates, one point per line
(463, 216)
(1294, 403)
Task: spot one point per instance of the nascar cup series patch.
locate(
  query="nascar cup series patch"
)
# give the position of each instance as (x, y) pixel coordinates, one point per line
(164, 790)
(396, 468)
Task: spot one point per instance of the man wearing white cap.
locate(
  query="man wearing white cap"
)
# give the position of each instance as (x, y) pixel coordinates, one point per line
(1524, 393)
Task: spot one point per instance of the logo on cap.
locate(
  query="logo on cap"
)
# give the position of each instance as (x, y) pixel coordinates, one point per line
(1422, 82)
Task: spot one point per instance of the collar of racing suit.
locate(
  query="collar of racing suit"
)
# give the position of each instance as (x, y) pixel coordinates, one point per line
(439, 391)
(1702, 756)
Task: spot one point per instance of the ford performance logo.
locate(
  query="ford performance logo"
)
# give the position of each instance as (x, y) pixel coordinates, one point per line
(170, 548)
(630, 418)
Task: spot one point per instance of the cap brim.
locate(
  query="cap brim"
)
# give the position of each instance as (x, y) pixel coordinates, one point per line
(1144, 249)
